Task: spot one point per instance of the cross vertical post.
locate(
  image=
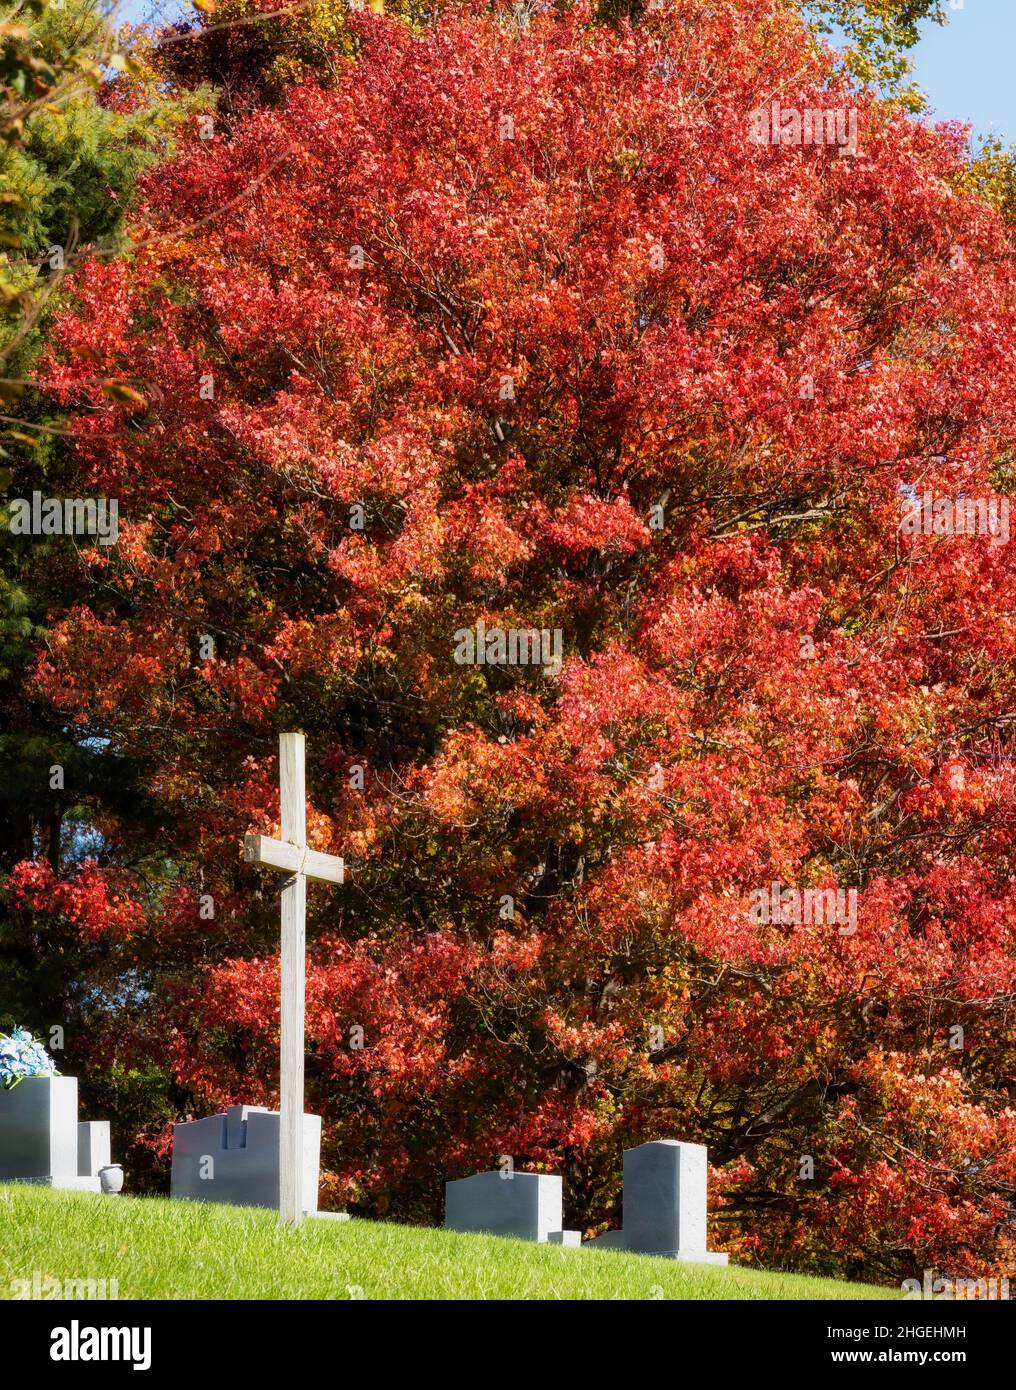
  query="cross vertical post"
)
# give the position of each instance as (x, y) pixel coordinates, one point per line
(293, 801)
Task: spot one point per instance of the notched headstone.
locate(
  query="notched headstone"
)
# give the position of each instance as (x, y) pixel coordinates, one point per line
(243, 1145)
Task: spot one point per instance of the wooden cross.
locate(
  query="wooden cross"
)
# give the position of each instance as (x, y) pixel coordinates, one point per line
(290, 855)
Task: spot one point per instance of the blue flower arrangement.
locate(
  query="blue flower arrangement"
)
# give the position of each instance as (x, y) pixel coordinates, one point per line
(20, 1056)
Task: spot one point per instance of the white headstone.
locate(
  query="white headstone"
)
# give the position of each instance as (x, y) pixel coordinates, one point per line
(499, 1203)
(664, 1203)
(236, 1158)
(41, 1140)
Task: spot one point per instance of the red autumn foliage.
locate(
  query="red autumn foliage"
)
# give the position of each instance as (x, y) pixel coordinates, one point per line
(88, 903)
(532, 301)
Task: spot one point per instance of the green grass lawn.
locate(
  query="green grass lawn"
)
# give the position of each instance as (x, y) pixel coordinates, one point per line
(157, 1248)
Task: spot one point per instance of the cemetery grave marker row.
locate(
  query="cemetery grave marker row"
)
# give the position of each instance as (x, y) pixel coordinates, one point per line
(664, 1205)
(252, 1156)
(236, 1158)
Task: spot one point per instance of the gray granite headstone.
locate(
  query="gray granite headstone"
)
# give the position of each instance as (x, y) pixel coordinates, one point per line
(664, 1203)
(41, 1140)
(234, 1158)
(526, 1205)
(93, 1147)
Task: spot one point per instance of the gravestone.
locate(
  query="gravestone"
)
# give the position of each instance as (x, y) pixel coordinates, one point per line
(94, 1150)
(525, 1205)
(235, 1158)
(664, 1204)
(41, 1139)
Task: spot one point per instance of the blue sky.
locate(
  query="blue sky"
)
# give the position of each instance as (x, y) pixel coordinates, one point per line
(967, 67)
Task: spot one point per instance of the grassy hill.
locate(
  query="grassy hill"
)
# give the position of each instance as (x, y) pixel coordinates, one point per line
(157, 1248)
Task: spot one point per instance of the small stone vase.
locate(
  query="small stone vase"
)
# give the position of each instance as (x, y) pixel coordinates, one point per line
(111, 1178)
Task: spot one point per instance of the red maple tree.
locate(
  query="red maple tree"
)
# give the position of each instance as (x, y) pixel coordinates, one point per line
(517, 326)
